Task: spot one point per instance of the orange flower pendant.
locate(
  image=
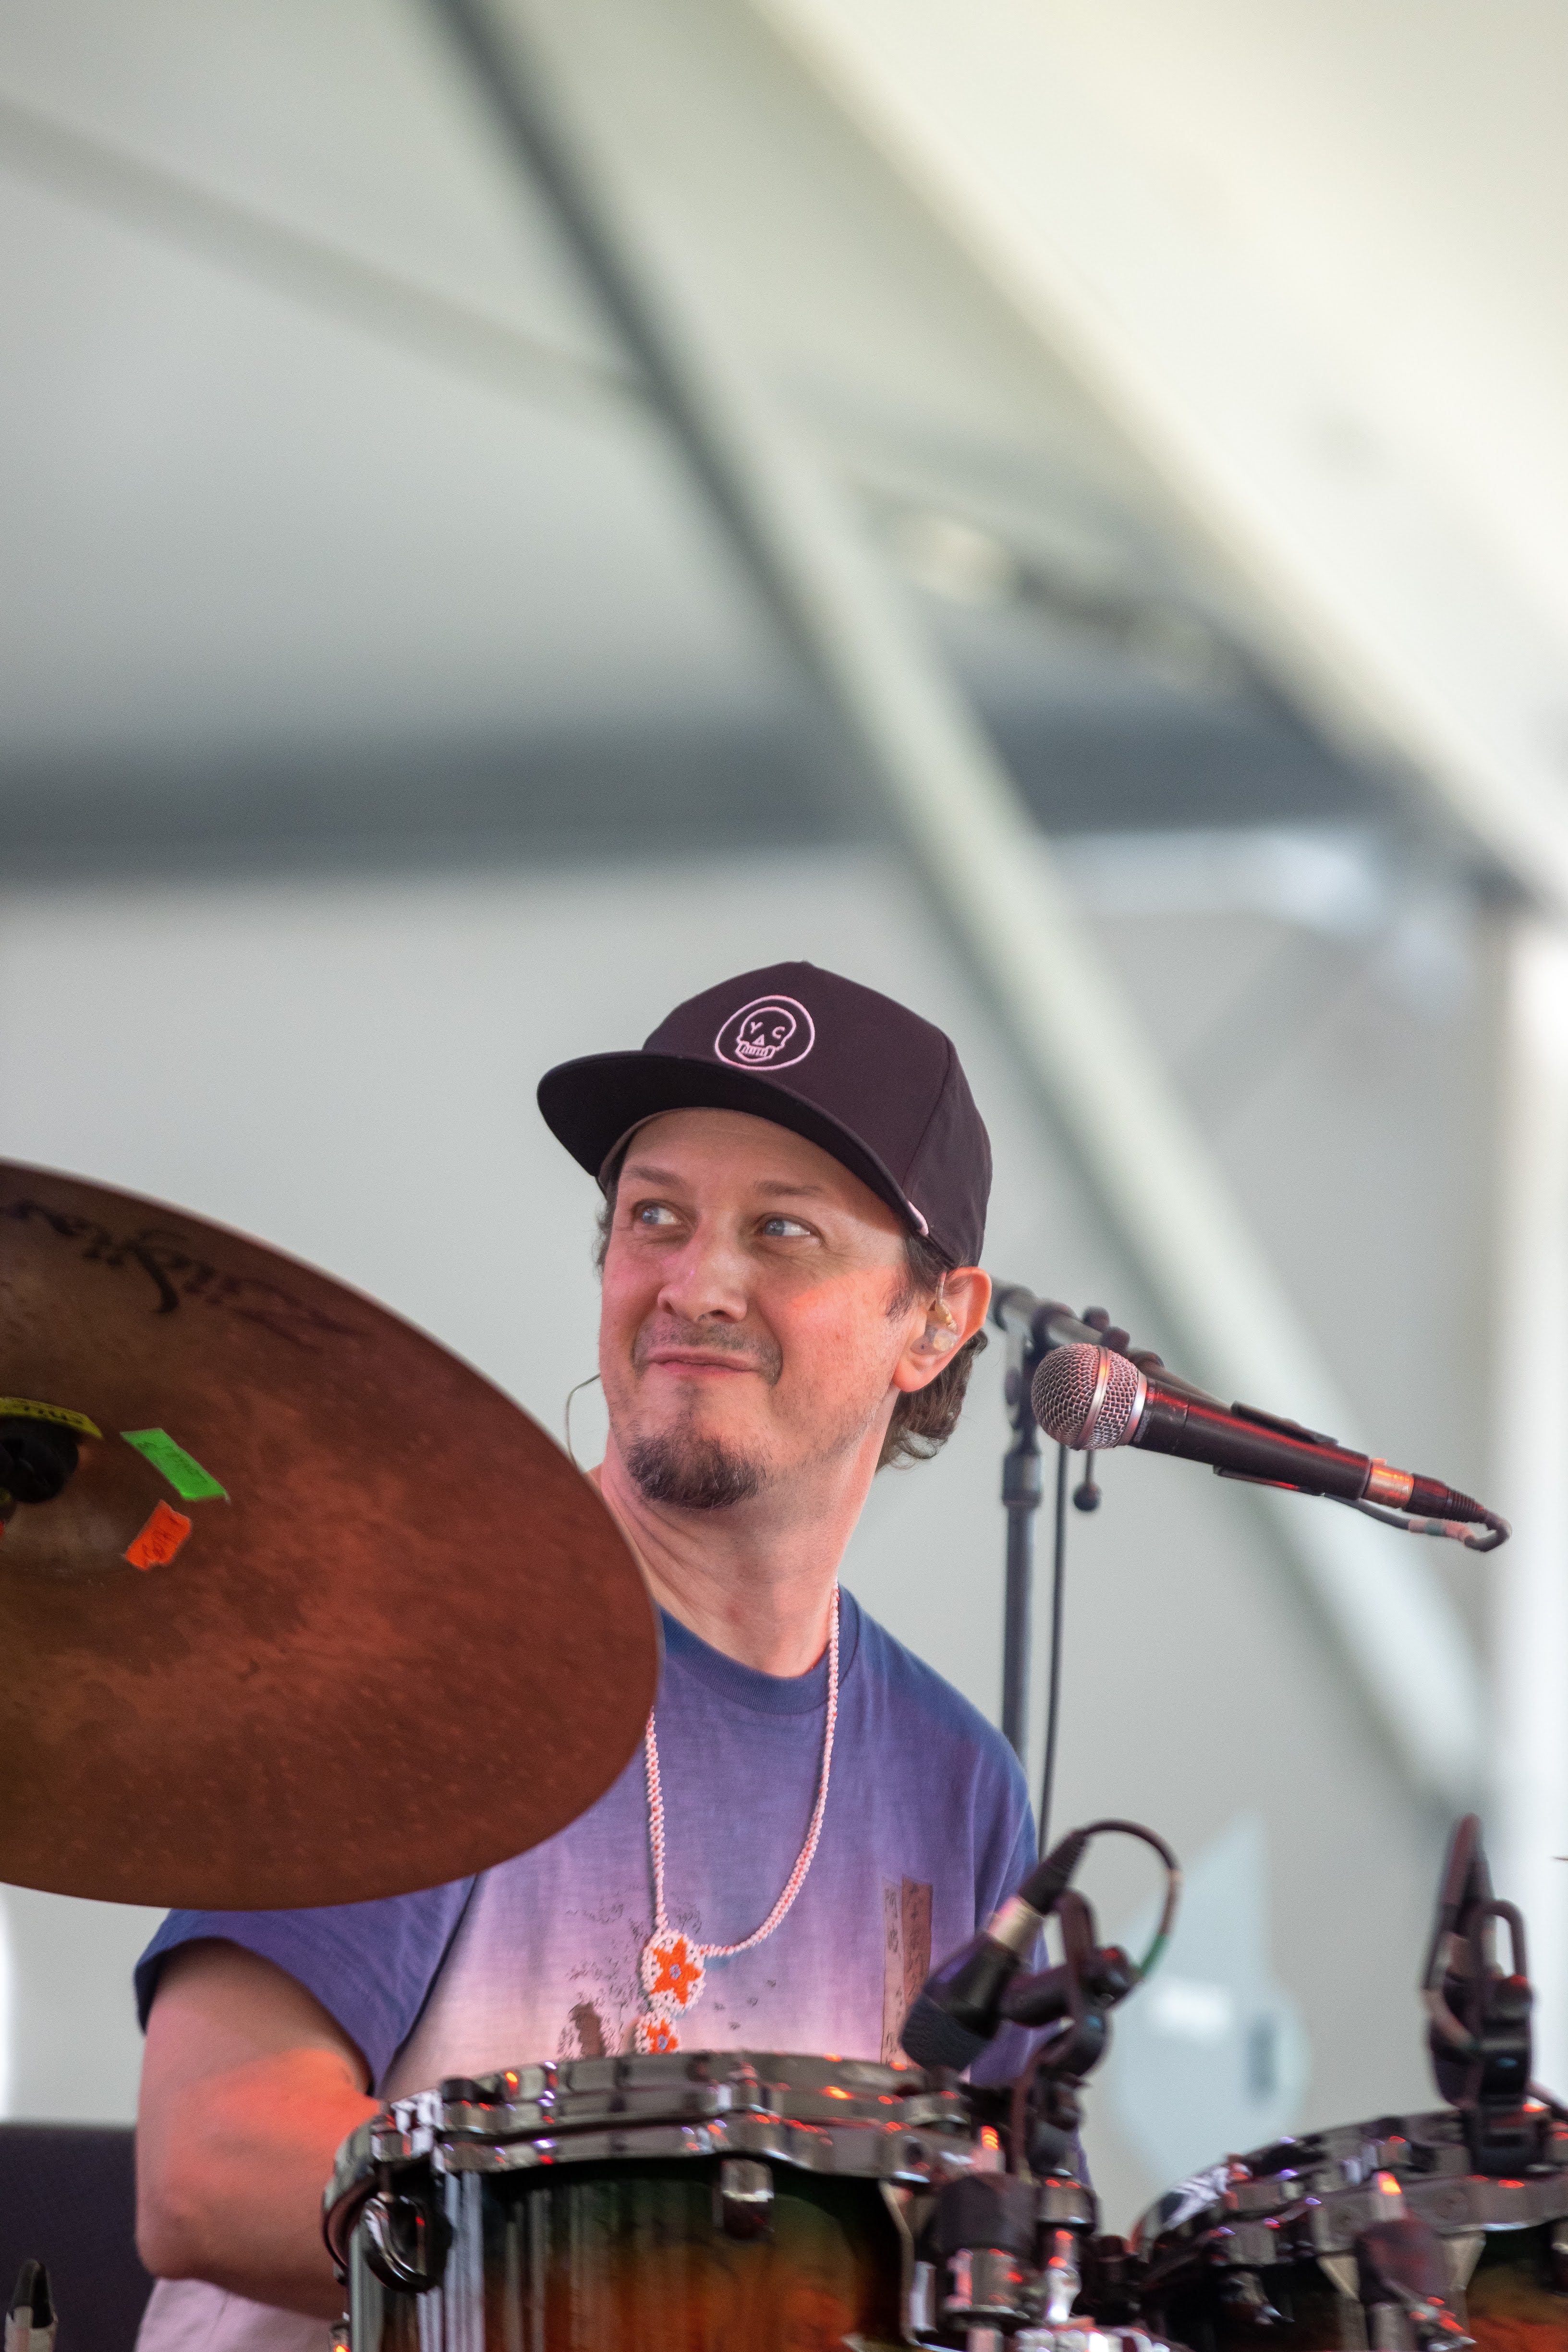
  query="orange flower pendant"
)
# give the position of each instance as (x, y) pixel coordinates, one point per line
(672, 1972)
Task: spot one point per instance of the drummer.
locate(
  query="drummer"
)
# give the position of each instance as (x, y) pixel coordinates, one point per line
(794, 1178)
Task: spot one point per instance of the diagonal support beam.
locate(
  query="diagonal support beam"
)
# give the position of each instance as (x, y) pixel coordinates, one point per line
(1368, 576)
(950, 800)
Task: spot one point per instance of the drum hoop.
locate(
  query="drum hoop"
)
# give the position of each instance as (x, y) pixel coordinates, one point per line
(855, 2119)
(1318, 2203)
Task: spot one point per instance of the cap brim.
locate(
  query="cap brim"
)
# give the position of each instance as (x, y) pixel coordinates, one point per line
(592, 1104)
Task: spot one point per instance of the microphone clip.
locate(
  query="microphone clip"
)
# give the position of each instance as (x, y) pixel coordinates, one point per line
(1479, 2032)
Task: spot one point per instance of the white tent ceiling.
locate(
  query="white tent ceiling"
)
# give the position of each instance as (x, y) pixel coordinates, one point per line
(325, 488)
(1310, 258)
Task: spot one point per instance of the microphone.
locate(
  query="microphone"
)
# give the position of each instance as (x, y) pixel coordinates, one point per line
(1040, 2000)
(958, 2008)
(1090, 1397)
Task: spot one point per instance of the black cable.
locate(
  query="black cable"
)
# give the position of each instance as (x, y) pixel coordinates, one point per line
(1053, 1680)
(1462, 1531)
(1081, 1933)
(1153, 1838)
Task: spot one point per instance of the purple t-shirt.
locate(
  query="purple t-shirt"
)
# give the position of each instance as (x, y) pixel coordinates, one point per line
(927, 1829)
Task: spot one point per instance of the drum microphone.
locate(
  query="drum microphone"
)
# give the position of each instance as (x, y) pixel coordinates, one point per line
(1093, 1398)
(958, 2008)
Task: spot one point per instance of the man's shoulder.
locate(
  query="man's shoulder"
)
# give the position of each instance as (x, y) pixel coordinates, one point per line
(928, 1707)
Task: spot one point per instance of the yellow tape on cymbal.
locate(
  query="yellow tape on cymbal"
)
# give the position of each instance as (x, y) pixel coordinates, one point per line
(28, 1409)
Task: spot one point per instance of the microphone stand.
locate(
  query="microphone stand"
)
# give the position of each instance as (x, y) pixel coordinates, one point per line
(1034, 1327)
(1021, 1491)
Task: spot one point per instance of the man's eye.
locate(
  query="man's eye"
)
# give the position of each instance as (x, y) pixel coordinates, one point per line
(653, 1213)
(784, 1228)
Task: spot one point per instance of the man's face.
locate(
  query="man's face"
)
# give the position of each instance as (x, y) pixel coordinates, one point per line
(745, 1333)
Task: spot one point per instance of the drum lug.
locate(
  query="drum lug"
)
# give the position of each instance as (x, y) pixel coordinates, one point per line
(1462, 2254)
(1243, 2291)
(1560, 2256)
(1341, 2273)
(407, 2239)
(743, 2198)
(984, 2233)
(919, 2318)
(1419, 2328)
(1405, 2282)
(1062, 2277)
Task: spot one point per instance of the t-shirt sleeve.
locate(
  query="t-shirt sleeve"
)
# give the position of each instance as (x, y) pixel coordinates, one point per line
(369, 1965)
(1013, 1845)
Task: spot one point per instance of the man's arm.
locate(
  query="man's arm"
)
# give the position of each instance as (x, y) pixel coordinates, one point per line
(247, 2088)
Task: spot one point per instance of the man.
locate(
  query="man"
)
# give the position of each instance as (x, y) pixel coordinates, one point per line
(794, 1181)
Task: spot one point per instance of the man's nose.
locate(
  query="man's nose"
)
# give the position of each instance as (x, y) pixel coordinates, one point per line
(709, 1277)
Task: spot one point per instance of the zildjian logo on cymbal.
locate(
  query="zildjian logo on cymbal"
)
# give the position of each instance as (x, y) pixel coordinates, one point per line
(164, 1255)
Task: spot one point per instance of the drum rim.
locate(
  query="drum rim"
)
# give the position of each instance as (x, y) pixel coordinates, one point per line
(860, 2118)
(1252, 2195)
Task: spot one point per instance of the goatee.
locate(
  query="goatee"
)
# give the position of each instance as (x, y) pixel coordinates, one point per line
(691, 1474)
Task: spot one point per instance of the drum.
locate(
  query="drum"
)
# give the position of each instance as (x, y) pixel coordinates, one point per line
(1276, 2252)
(668, 2204)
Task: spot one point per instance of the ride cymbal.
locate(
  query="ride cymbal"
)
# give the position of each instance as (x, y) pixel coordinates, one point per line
(316, 1614)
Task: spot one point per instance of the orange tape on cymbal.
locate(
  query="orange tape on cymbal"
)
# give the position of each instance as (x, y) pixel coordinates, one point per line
(160, 1539)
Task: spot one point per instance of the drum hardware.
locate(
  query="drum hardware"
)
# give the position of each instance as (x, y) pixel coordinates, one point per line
(779, 2187)
(982, 2238)
(796, 2201)
(1559, 2256)
(31, 2325)
(1113, 2281)
(958, 2008)
(1463, 2253)
(1245, 2292)
(407, 2238)
(1479, 2033)
(1046, 2112)
(1002, 2253)
(969, 1993)
(743, 2198)
(1407, 2233)
(1403, 2284)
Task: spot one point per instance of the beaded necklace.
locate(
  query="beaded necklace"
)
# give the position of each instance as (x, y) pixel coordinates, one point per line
(672, 1967)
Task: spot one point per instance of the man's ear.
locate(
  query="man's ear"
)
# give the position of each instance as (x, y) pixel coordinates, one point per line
(952, 1316)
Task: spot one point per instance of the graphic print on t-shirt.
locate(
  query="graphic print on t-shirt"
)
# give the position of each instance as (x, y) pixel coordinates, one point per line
(906, 1957)
(604, 1997)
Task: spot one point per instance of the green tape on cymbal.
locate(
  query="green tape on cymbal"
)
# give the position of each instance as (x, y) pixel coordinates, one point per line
(183, 1471)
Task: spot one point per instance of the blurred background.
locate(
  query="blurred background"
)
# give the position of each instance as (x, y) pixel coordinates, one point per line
(1058, 509)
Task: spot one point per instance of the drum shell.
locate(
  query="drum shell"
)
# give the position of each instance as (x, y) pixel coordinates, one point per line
(632, 2256)
(1509, 2305)
(667, 2202)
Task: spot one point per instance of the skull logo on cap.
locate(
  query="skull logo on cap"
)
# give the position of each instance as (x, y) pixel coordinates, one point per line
(769, 1033)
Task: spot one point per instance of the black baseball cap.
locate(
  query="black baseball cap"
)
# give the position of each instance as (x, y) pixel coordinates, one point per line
(873, 1084)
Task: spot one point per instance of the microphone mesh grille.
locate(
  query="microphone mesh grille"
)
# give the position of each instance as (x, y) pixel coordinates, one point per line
(1064, 1389)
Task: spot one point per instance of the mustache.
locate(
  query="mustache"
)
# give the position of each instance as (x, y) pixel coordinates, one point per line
(757, 1349)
